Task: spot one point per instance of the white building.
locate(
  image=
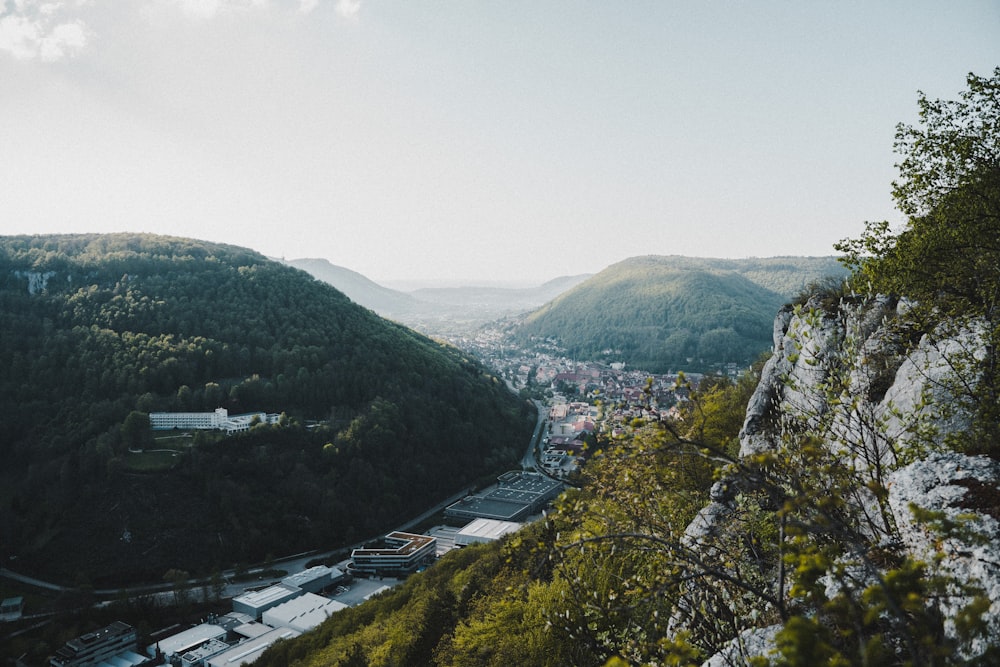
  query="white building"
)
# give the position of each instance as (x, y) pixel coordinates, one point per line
(250, 650)
(303, 613)
(220, 420)
(484, 530)
(97, 646)
(315, 578)
(187, 640)
(199, 656)
(255, 603)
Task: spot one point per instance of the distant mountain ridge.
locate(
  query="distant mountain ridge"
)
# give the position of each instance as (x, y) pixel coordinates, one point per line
(358, 288)
(436, 310)
(671, 312)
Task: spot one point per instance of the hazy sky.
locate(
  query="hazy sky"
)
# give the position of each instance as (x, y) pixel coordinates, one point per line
(500, 140)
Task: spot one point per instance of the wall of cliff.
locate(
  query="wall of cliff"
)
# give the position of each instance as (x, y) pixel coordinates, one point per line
(872, 412)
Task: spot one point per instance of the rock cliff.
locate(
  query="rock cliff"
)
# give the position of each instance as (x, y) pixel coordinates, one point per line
(887, 405)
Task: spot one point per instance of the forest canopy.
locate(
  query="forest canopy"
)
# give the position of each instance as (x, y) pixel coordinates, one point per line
(97, 329)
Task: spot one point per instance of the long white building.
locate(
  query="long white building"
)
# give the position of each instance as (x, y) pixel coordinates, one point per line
(207, 421)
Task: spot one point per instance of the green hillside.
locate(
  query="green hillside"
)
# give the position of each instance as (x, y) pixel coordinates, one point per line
(97, 331)
(662, 313)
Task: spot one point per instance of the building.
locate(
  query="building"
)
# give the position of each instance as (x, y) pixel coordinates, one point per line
(94, 647)
(199, 656)
(315, 579)
(220, 420)
(248, 651)
(516, 496)
(255, 603)
(303, 613)
(185, 641)
(484, 530)
(11, 609)
(403, 554)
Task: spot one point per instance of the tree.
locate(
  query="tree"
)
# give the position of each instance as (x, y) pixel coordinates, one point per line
(948, 253)
(135, 430)
(946, 259)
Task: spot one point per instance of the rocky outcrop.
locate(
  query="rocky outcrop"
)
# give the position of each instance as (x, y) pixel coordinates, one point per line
(884, 402)
(947, 510)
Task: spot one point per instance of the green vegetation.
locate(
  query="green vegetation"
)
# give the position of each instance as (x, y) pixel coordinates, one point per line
(668, 313)
(98, 331)
(576, 589)
(946, 259)
(801, 538)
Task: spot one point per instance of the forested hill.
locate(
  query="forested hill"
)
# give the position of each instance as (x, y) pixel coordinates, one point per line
(98, 330)
(661, 313)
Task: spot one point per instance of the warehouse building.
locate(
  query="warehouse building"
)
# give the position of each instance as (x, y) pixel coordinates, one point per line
(516, 496)
(185, 641)
(484, 530)
(303, 613)
(255, 603)
(250, 650)
(199, 656)
(315, 579)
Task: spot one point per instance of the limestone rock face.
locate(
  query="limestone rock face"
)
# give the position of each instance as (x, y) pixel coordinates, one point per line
(965, 492)
(884, 395)
(753, 643)
(884, 401)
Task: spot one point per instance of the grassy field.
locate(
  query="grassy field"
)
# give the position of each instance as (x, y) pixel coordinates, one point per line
(152, 460)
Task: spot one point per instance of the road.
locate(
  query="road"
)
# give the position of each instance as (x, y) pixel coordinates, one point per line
(530, 460)
(290, 564)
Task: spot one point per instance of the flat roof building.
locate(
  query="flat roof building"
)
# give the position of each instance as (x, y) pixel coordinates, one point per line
(248, 651)
(197, 657)
(124, 659)
(11, 609)
(186, 641)
(255, 603)
(220, 420)
(303, 613)
(403, 554)
(484, 530)
(516, 495)
(315, 578)
(90, 649)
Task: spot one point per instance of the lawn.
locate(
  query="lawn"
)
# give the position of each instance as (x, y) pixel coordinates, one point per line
(153, 460)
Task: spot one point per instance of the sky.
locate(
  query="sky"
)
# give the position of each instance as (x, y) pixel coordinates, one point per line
(463, 141)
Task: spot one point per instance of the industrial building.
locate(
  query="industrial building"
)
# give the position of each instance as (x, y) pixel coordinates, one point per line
(484, 530)
(403, 554)
(99, 646)
(255, 603)
(315, 579)
(302, 613)
(250, 650)
(199, 656)
(185, 641)
(516, 496)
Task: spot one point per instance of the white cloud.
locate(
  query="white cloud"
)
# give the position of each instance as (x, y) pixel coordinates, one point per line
(33, 29)
(306, 6)
(65, 39)
(348, 8)
(209, 9)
